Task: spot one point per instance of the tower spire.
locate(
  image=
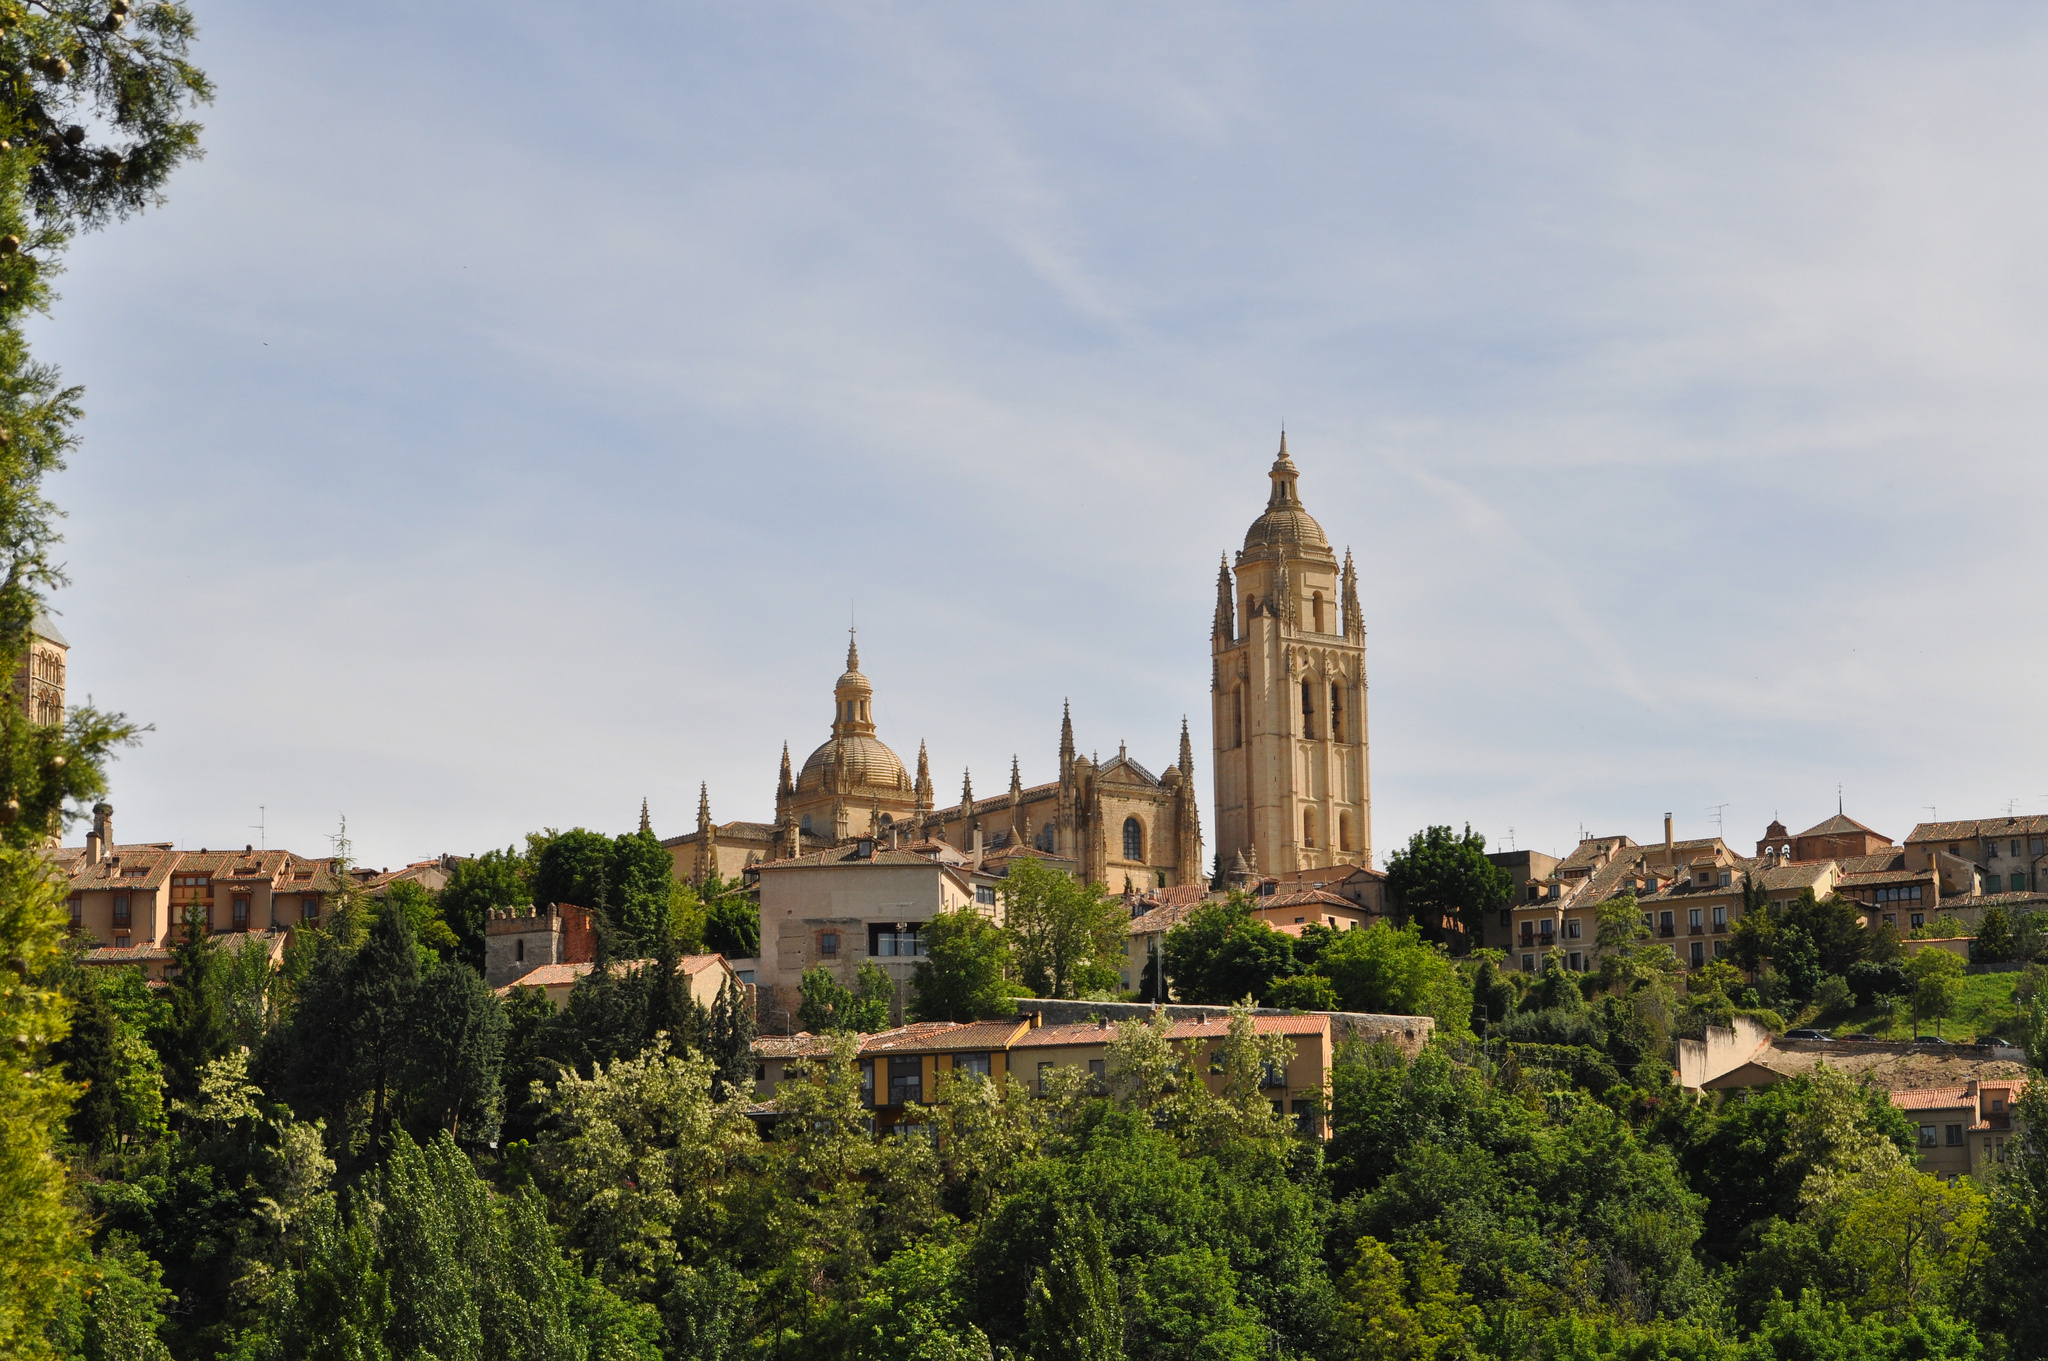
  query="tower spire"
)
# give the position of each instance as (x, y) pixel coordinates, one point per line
(1066, 736)
(853, 650)
(1187, 751)
(1284, 496)
(703, 807)
(1226, 604)
(787, 786)
(923, 788)
(1354, 618)
(645, 825)
(1016, 776)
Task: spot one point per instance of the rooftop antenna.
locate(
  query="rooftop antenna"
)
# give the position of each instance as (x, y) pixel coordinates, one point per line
(2012, 806)
(1932, 816)
(1511, 838)
(262, 841)
(1715, 809)
(1838, 799)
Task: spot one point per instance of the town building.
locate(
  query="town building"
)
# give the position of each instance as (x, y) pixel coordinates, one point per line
(704, 975)
(2008, 854)
(516, 942)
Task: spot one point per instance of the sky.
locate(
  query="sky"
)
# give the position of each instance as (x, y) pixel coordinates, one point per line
(506, 419)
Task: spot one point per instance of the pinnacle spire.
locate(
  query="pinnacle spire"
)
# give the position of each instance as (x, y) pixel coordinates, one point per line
(703, 807)
(967, 787)
(1187, 750)
(1226, 604)
(1016, 775)
(852, 650)
(645, 825)
(787, 784)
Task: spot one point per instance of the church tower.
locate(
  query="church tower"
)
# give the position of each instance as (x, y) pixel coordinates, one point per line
(1293, 784)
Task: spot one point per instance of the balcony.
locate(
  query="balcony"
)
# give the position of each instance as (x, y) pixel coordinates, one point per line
(1720, 928)
(1695, 930)
(1667, 930)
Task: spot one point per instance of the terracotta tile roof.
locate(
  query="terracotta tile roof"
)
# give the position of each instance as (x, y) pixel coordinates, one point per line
(554, 975)
(942, 1037)
(1329, 874)
(1971, 829)
(802, 1045)
(1932, 1098)
(1871, 864)
(2020, 899)
(1312, 898)
(1876, 878)
(1840, 824)
(1178, 895)
(1216, 1027)
(127, 954)
(844, 855)
(1159, 920)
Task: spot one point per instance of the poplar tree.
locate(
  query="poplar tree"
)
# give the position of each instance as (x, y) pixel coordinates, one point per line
(1072, 1312)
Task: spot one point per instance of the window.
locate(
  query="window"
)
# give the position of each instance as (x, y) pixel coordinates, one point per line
(906, 1080)
(1721, 918)
(1237, 718)
(1308, 709)
(985, 895)
(1344, 831)
(309, 910)
(1098, 1077)
(1134, 839)
(1572, 929)
(805, 825)
(1891, 919)
(1315, 609)
(2033, 845)
(1954, 1135)
(886, 941)
(121, 910)
(971, 1063)
(1699, 953)
(1046, 836)
(1646, 920)
(1337, 715)
(1664, 924)
(1918, 919)
(1528, 964)
(77, 905)
(1044, 1071)
(1720, 948)
(1547, 929)
(828, 941)
(1927, 1136)
(1694, 918)
(1307, 1115)
(1724, 878)
(2014, 848)
(1998, 1105)
(1308, 828)
(241, 911)
(518, 952)
(867, 1082)
(1215, 1060)
(1991, 850)
(1273, 1075)
(1578, 964)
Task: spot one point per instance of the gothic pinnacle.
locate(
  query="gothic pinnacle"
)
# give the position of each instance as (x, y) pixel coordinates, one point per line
(645, 825)
(1016, 775)
(967, 787)
(852, 651)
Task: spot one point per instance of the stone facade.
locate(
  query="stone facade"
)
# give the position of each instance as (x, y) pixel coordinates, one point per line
(1288, 688)
(39, 677)
(517, 943)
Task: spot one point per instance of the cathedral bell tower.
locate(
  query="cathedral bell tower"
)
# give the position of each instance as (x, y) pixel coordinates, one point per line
(1293, 783)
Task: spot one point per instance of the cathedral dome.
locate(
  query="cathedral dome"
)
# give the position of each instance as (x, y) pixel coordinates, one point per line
(1286, 523)
(863, 762)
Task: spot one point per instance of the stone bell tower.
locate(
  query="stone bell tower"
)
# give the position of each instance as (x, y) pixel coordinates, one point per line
(1293, 783)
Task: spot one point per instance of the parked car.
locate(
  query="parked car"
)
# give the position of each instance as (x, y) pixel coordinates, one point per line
(1860, 1035)
(1929, 1039)
(1992, 1041)
(1808, 1035)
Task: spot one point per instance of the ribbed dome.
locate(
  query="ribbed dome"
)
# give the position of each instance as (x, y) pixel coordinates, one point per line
(863, 762)
(1285, 528)
(1285, 524)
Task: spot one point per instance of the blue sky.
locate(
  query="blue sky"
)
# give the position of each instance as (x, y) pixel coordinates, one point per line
(499, 424)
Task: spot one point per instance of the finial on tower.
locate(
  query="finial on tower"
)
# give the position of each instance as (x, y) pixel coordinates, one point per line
(1187, 750)
(852, 650)
(645, 825)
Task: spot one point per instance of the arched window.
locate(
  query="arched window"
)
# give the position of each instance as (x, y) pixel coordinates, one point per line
(1134, 839)
(1308, 828)
(887, 822)
(1344, 832)
(1237, 717)
(806, 823)
(1337, 715)
(1249, 602)
(1308, 709)
(1316, 608)
(1048, 838)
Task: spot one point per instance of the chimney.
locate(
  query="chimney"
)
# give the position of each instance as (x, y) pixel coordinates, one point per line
(1670, 853)
(976, 852)
(100, 844)
(93, 853)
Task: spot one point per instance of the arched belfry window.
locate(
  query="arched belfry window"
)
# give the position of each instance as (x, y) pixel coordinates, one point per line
(1308, 709)
(1048, 836)
(1134, 839)
(806, 823)
(1344, 832)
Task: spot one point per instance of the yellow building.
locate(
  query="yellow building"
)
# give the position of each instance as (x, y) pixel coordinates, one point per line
(1288, 696)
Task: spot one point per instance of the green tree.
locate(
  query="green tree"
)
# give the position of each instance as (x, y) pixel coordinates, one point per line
(964, 975)
(1069, 936)
(2015, 1274)
(629, 878)
(421, 909)
(1396, 971)
(1223, 952)
(197, 1029)
(732, 924)
(1440, 874)
(830, 1006)
(1072, 1311)
(1994, 937)
(492, 882)
(457, 1055)
(729, 1042)
(1936, 978)
(1186, 1306)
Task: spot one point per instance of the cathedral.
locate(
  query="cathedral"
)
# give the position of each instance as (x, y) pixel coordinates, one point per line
(1291, 782)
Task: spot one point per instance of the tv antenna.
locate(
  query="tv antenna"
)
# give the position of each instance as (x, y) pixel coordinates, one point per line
(1932, 815)
(1715, 809)
(1511, 838)
(2012, 806)
(262, 837)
